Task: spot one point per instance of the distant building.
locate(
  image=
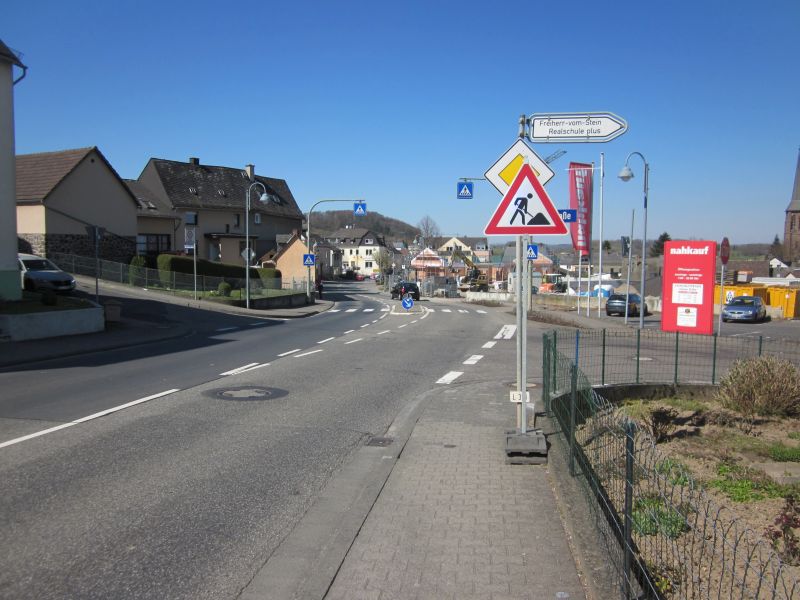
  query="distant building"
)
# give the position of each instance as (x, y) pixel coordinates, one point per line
(361, 249)
(791, 226)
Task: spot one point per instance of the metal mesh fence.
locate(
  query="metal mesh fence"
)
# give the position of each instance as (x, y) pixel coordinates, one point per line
(182, 284)
(665, 538)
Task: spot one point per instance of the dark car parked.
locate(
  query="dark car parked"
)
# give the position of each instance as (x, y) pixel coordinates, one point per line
(402, 288)
(615, 305)
(744, 308)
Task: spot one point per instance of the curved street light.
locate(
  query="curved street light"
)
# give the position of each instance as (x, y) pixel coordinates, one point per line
(626, 174)
(264, 198)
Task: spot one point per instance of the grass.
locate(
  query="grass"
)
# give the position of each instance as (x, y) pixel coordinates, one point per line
(686, 404)
(652, 517)
(781, 453)
(743, 484)
(32, 303)
(677, 473)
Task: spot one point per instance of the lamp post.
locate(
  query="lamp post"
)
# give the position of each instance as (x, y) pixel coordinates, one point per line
(308, 240)
(264, 198)
(626, 175)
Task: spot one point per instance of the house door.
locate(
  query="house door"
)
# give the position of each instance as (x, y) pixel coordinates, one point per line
(214, 251)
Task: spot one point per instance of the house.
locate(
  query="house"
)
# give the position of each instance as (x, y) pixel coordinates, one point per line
(10, 288)
(361, 249)
(328, 259)
(217, 197)
(475, 248)
(288, 259)
(61, 194)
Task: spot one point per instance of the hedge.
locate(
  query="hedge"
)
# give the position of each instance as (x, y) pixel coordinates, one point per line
(185, 264)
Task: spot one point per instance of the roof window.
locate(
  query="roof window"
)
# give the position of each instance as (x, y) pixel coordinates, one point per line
(193, 190)
(222, 193)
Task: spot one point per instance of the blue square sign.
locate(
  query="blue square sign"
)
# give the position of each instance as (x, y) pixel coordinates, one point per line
(308, 260)
(464, 190)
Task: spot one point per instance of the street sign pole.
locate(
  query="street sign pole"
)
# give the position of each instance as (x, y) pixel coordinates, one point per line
(724, 254)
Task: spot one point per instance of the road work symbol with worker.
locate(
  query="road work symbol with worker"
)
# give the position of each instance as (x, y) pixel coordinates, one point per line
(526, 209)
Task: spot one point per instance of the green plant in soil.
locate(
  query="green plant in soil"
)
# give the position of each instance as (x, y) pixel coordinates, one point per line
(651, 516)
(743, 484)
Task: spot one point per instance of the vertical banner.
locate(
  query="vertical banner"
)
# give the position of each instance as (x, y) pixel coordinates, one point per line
(688, 287)
(580, 199)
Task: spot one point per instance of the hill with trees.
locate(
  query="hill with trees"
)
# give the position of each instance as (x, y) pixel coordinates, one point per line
(326, 222)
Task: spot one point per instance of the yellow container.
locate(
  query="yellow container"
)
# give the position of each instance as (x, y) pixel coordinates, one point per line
(791, 310)
(776, 296)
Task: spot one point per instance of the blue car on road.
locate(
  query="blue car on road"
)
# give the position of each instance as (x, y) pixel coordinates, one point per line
(745, 308)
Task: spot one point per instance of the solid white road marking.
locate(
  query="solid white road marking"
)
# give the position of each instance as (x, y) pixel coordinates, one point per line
(226, 329)
(237, 369)
(353, 341)
(450, 377)
(96, 415)
(473, 360)
(506, 332)
(326, 340)
(289, 352)
(307, 353)
(489, 345)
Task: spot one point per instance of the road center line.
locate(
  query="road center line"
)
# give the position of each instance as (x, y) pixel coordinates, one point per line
(353, 341)
(450, 377)
(506, 332)
(349, 331)
(489, 345)
(403, 325)
(225, 329)
(365, 325)
(473, 360)
(87, 418)
(289, 352)
(351, 310)
(307, 353)
(382, 332)
(237, 369)
(326, 340)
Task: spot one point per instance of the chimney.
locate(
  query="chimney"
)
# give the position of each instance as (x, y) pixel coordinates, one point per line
(251, 172)
(193, 160)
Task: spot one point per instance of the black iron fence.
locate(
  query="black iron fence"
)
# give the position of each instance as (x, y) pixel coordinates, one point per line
(664, 537)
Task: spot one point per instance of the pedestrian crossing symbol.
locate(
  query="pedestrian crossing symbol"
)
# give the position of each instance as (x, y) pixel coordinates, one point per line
(533, 252)
(526, 209)
(360, 209)
(308, 260)
(465, 190)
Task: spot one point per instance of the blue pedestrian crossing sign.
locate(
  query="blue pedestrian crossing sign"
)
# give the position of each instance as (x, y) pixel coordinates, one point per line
(308, 260)
(464, 190)
(533, 252)
(360, 209)
(408, 303)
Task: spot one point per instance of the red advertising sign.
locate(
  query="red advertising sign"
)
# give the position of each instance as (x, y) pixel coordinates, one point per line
(580, 199)
(687, 294)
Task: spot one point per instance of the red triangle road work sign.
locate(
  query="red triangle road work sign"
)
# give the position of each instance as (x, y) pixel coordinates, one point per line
(526, 209)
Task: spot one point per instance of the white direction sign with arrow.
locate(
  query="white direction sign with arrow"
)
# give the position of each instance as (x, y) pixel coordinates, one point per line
(576, 127)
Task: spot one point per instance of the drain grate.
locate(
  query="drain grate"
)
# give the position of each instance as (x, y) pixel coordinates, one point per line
(380, 441)
(246, 393)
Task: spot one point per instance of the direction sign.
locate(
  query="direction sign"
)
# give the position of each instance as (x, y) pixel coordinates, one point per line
(568, 215)
(189, 238)
(576, 127)
(526, 209)
(502, 173)
(464, 190)
(407, 303)
(359, 209)
(309, 260)
(243, 254)
(724, 251)
(533, 252)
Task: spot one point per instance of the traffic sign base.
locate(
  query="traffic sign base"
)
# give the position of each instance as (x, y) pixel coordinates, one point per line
(528, 448)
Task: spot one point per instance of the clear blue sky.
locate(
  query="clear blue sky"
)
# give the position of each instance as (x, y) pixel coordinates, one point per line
(393, 102)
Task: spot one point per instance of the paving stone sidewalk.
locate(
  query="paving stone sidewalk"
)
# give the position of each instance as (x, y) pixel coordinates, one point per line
(455, 521)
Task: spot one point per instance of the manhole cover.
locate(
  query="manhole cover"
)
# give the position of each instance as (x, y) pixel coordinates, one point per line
(246, 392)
(380, 441)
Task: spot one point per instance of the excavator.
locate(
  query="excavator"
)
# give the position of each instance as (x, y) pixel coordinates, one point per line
(475, 280)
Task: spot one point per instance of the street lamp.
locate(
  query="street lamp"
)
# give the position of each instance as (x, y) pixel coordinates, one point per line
(263, 198)
(626, 175)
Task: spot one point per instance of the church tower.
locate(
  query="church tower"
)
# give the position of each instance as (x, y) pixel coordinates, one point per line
(791, 227)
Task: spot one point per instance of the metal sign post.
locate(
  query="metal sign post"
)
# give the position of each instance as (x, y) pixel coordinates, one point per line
(724, 255)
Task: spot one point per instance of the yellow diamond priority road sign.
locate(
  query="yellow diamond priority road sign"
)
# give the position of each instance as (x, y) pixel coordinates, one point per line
(503, 173)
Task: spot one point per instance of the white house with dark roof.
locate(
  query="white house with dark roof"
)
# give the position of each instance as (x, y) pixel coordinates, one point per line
(218, 196)
(475, 248)
(361, 249)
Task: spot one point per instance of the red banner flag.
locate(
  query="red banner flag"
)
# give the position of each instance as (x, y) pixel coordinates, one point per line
(580, 200)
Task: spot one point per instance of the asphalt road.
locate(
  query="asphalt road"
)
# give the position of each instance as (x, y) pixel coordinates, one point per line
(188, 494)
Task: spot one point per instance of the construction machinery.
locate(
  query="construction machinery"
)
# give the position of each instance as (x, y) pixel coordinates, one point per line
(553, 283)
(475, 280)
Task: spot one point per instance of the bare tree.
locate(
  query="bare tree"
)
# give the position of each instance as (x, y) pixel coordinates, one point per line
(428, 228)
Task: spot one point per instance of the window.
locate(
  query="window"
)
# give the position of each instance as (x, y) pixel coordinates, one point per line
(236, 220)
(368, 264)
(257, 218)
(369, 251)
(153, 243)
(368, 241)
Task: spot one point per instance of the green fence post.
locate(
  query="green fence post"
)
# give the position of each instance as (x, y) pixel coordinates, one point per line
(572, 408)
(603, 363)
(638, 350)
(546, 372)
(760, 344)
(555, 360)
(714, 362)
(675, 378)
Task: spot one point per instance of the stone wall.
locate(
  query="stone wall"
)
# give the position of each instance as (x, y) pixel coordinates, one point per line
(113, 248)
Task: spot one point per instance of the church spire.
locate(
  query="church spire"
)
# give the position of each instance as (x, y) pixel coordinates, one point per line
(794, 203)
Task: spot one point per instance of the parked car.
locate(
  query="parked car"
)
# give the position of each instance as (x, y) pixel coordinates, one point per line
(39, 274)
(744, 308)
(359, 277)
(615, 305)
(401, 288)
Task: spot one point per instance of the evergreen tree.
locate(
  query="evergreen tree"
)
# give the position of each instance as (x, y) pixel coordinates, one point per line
(606, 246)
(776, 248)
(657, 249)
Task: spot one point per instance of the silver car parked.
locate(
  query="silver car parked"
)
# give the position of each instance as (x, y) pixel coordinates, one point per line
(39, 274)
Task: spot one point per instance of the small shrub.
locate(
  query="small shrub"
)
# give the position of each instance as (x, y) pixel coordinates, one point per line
(651, 517)
(762, 386)
(137, 270)
(742, 484)
(783, 534)
(661, 423)
(49, 298)
(794, 435)
(781, 453)
(224, 289)
(677, 473)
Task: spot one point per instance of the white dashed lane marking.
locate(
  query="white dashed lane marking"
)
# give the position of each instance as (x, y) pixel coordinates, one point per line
(353, 341)
(289, 352)
(473, 360)
(506, 333)
(326, 340)
(450, 377)
(307, 353)
(489, 345)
